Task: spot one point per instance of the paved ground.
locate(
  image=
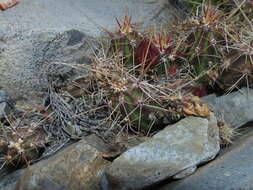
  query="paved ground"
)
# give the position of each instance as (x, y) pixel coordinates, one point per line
(233, 170)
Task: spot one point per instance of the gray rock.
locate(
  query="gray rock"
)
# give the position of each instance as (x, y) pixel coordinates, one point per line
(9, 182)
(185, 173)
(5, 104)
(233, 170)
(34, 34)
(188, 143)
(235, 108)
(79, 166)
(27, 63)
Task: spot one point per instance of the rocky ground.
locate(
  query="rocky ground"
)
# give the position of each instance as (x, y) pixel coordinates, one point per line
(37, 35)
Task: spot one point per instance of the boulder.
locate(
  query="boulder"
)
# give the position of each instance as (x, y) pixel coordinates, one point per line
(76, 167)
(34, 34)
(235, 108)
(231, 170)
(179, 147)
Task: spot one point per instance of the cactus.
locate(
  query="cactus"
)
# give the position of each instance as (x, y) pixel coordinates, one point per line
(155, 53)
(143, 109)
(203, 46)
(21, 144)
(143, 106)
(125, 75)
(123, 41)
(140, 52)
(238, 67)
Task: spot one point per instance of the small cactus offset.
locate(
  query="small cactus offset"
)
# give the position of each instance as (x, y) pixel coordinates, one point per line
(21, 144)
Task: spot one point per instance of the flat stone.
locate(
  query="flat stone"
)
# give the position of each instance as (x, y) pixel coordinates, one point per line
(231, 171)
(188, 143)
(235, 108)
(78, 166)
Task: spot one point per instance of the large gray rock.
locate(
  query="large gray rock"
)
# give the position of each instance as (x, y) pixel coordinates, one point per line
(188, 143)
(26, 60)
(233, 170)
(33, 34)
(79, 166)
(235, 108)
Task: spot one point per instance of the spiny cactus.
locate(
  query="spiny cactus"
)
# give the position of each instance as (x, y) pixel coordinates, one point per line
(203, 46)
(144, 111)
(142, 105)
(126, 75)
(123, 41)
(141, 53)
(237, 70)
(147, 109)
(21, 144)
(154, 52)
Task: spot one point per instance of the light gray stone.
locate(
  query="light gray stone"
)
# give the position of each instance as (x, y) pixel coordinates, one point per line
(188, 143)
(235, 108)
(185, 173)
(232, 170)
(34, 34)
(5, 104)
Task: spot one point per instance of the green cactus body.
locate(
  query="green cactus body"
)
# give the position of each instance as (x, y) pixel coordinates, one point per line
(132, 109)
(123, 46)
(203, 54)
(143, 112)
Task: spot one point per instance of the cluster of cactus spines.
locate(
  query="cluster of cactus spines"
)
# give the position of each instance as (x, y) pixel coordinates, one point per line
(141, 52)
(153, 79)
(226, 133)
(238, 67)
(142, 105)
(142, 109)
(203, 45)
(218, 46)
(236, 70)
(21, 144)
(154, 52)
(123, 41)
